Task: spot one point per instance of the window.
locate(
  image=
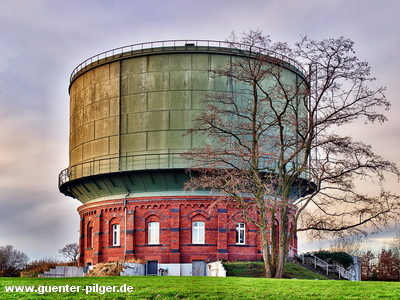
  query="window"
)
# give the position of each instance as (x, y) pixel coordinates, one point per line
(115, 234)
(154, 232)
(89, 236)
(198, 232)
(240, 233)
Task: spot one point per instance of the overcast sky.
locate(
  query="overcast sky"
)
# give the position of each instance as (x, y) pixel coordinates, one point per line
(42, 41)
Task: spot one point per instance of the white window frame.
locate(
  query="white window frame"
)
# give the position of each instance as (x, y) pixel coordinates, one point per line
(198, 232)
(116, 234)
(240, 233)
(153, 233)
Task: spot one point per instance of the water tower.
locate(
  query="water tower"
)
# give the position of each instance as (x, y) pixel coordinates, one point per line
(130, 109)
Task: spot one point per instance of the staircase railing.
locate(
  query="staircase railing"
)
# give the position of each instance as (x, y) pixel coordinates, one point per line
(342, 272)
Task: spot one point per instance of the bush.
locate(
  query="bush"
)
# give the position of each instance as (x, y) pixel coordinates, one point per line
(11, 261)
(36, 267)
(340, 258)
(106, 269)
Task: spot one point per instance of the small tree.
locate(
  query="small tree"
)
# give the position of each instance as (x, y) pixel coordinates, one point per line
(70, 251)
(12, 261)
(368, 266)
(273, 148)
(388, 266)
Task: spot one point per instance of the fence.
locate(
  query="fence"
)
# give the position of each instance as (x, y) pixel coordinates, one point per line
(174, 45)
(121, 164)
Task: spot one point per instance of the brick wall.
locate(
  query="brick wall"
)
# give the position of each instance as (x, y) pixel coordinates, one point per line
(175, 216)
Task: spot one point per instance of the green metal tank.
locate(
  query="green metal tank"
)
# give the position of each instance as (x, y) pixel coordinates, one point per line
(130, 110)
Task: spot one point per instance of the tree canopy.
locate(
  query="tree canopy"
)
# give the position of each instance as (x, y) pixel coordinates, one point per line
(70, 251)
(12, 261)
(272, 145)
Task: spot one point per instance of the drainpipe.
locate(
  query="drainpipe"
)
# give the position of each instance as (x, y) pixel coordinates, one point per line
(125, 215)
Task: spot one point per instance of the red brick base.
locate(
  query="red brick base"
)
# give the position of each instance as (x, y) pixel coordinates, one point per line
(175, 216)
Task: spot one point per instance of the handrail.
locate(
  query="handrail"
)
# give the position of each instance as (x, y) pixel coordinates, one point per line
(121, 164)
(342, 272)
(171, 45)
(134, 162)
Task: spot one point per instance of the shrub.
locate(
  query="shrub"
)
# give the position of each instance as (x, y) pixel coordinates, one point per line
(36, 267)
(340, 258)
(135, 260)
(106, 269)
(11, 261)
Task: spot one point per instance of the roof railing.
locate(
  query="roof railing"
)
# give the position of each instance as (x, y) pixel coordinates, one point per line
(174, 45)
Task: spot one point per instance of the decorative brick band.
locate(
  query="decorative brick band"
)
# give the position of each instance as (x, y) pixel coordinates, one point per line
(200, 245)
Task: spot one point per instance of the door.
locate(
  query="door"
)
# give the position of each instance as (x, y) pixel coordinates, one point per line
(152, 267)
(198, 267)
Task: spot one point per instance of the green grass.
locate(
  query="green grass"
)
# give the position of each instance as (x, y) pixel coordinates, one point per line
(244, 269)
(256, 269)
(169, 287)
(296, 271)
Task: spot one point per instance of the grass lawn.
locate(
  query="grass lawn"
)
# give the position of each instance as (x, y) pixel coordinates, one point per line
(169, 287)
(256, 269)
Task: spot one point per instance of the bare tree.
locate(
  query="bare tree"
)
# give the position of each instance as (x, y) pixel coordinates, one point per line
(394, 243)
(349, 244)
(272, 146)
(70, 251)
(12, 261)
(388, 265)
(368, 266)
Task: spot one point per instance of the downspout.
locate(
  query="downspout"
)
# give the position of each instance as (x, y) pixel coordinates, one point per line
(125, 222)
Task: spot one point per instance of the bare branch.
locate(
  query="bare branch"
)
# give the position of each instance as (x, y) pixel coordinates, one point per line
(270, 144)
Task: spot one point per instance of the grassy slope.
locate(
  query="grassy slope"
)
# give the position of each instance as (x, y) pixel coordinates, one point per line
(256, 269)
(169, 287)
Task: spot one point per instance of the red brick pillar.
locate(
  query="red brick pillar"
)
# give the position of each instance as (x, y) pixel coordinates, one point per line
(130, 229)
(81, 259)
(222, 241)
(174, 256)
(96, 239)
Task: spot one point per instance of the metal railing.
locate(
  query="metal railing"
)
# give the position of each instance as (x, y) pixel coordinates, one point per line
(339, 270)
(317, 262)
(122, 164)
(174, 45)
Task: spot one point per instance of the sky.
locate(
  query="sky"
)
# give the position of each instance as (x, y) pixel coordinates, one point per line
(42, 41)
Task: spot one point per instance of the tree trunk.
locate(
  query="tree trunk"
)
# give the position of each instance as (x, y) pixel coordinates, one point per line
(283, 241)
(266, 255)
(282, 254)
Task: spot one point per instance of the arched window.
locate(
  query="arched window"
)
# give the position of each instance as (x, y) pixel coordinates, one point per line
(153, 232)
(240, 233)
(89, 235)
(198, 232)
(115, 234)
(114, 229)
